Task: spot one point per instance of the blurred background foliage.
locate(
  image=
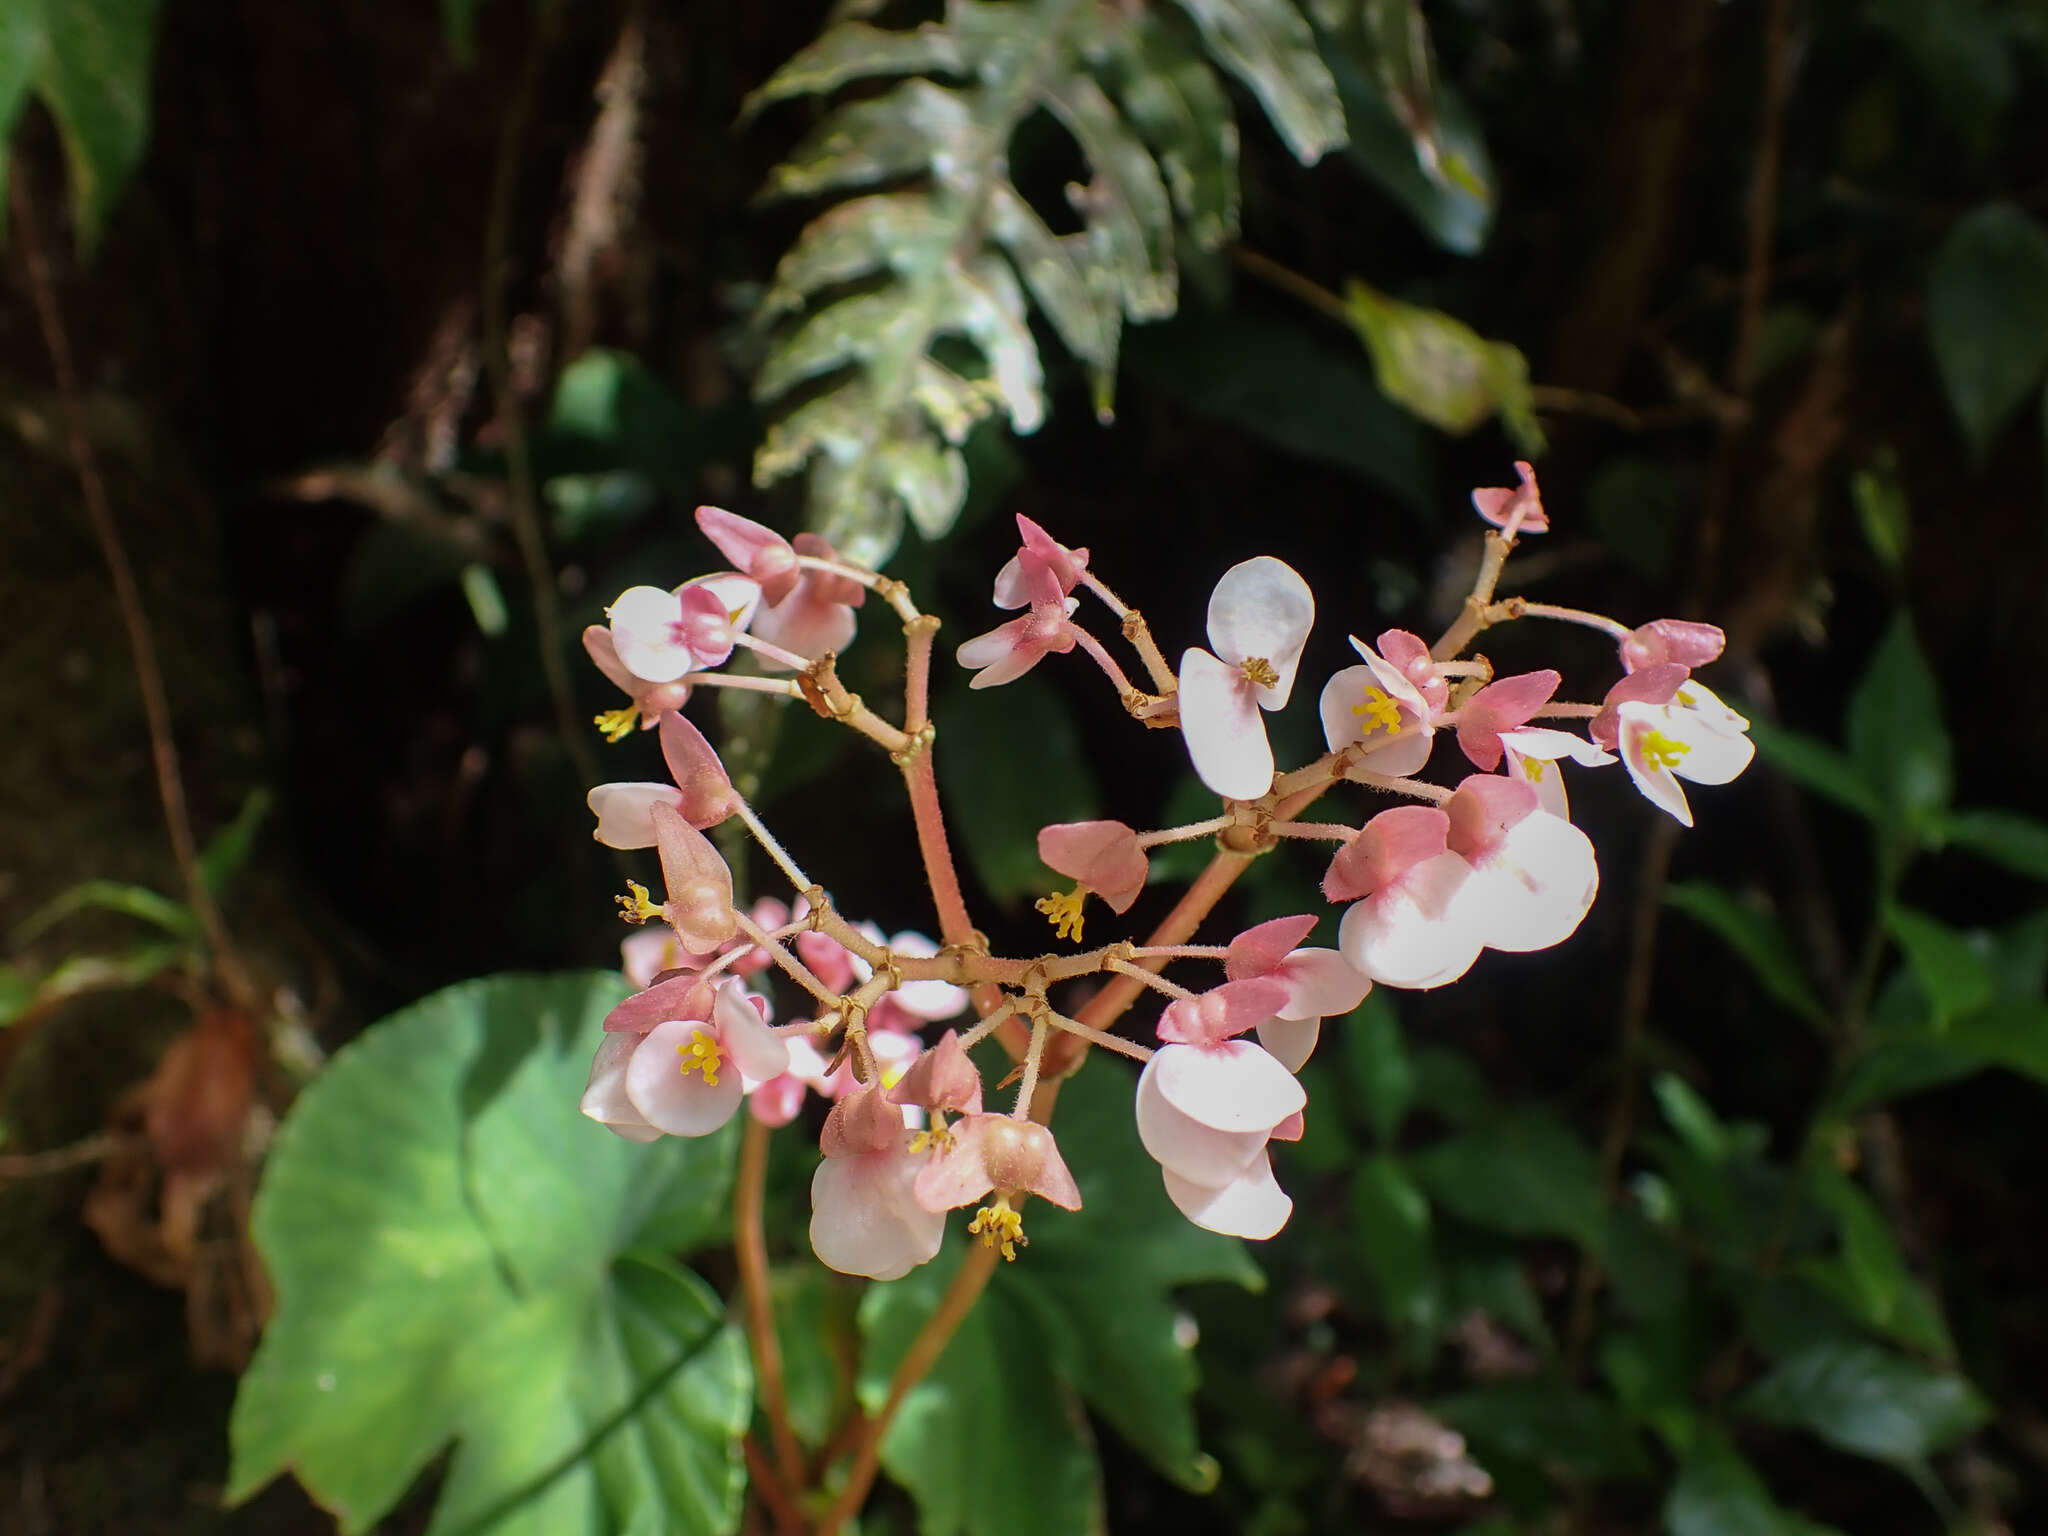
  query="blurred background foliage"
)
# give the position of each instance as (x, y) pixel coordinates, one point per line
(406, 335)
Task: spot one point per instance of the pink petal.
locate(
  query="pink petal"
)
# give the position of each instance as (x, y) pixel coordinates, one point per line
(1483, 808)
(1415, 933)
(706, 625)
(605, 1100)
(680, 997)
(1409, 654)
(1499, 507)
(1235, 1086)
(603, 650)
(941, 1078)
(1501, 706)
(1260, 949)
(828, 959)
(1684, 641)
(1183, 1144)
(1102, 855)
(1386, 848)
(681, 1103)
(625, 812)
(1252, 1205)
(1225, 736)
(1262, 608)
(759, 551)
(1003, 654)
(1291, 1041)
(645, 953)
(865, 1219)
(745, 1035)
(928, 1000)
(862, 1122)
(1657, 684)
(807, 624)
(779, 1100)
(707, 796)
(1212, 1017)
(1320, 983)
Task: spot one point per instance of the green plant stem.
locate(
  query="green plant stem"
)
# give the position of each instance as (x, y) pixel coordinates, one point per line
(750, 1252)
(224, 958)
(497, 360)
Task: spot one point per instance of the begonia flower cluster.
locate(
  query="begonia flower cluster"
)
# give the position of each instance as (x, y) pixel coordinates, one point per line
(1478, 851)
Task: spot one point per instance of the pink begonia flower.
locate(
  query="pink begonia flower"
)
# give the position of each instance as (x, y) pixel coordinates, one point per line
(1656, 684)
(1684, 641)
(680, 995)
(1019, 579)
(648, 699)
(684, 1076)
(1381, 705)
(1251, 1205)
(699, 886)
(984, 1154)
(1259, 618)
(777, 1100)
(1505, 705)
(660, 636)
(817, 616)
(1319, 983)
(1104, 856)
(1207, 1103)
(1533, 755)
(865, 1219)
(754, 549)
(1008, 651)
(1694, 736)
(647, 952)
(1409, 924)
(1533, 874)
(1520, 509)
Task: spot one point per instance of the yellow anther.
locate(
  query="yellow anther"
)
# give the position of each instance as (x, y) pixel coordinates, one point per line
(702, 1054)
(937, 1139)
(618, 724)
(1660, 751)
(1532, 769)
(1259, 670)
(635, 907)
(1063, 910)
(999, 1227)
(1377, 712)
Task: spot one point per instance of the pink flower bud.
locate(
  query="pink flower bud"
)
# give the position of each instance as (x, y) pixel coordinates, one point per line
(707, 792)
(1521, 507)
(942, 1078)
(759, 551)
(699, 885)
(1664, 640)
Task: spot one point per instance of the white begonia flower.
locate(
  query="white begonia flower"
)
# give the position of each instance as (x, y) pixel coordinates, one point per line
(1259, 618)
(625, 812)
(1252, 1205)
(660, 636)
(1534, 875)
(1695, 737)
(1377, 705)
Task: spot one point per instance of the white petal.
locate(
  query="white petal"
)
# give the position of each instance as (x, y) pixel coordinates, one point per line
(1535, 889)
(683, 1104)
(1291, 1041)
(1235, 1086)
(1659, 785)
(1541, 741)
(1262, 608)
(643, 622)
(1700, 701)
(1320, 982)
(1011, 591)
(1541, 772)
(1416, 932)
(1252, 1205)
(605, 1099)
(865, 1220)
(926, 999)
(754, 1048)
(1178, 1142)
(624, 812)
(1225, 736)
(1717, 755)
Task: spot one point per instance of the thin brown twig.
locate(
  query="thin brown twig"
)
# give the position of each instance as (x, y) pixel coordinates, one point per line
(750, 1248)
(78, 1154)
(225, 958)
(497, 361)
(767, 1487)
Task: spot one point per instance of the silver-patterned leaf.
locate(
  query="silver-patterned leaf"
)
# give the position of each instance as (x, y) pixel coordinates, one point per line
(853, 50)
(1129, 216)
(1268, 45)
(903, 133)
(898, 232)
(928, 477)
(987, 308)
(1174, 100)
(1087, 315)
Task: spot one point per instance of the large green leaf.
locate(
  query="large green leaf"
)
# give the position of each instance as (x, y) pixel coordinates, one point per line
(1867, 1401)
(1085, 1314)
(1987, 312)
(88, 60)
(1755, 934)
(1443, 370)
(1719, 1494)
(459, 1255)
(1897, 740)
(1268, 45)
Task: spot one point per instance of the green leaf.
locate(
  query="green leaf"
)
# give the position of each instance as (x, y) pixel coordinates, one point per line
(1268, 45)
(1813, 764)
(1955, 975)
(1881, 508)
(1391, 1217)
(2011, 1033)
(1867, 1401)
(1086, 1313)
(136, 901)
(89, 62)
(1691, 1116)
(1175, 102)
(1382, 1078)
(854, 50)
(1015, 792)
(459, 1255)
(1871, 1278)
(1719, 1494)
(1547, 1424)
(21, 992)
(1987, 312)
(1757, 936)
(1442, 369)
(1522, 1173)
(1896, 737)
(227, 851)
(2020, 843)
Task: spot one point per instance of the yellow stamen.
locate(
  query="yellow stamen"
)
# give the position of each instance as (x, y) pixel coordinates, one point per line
(1660, 751)
(1063, 910)
(618, 724)
(1259, 670)
(1532, 769)
(702, 1054)
(937, 1139)
(1376, 712)
(999, 1227)
(635, 907)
